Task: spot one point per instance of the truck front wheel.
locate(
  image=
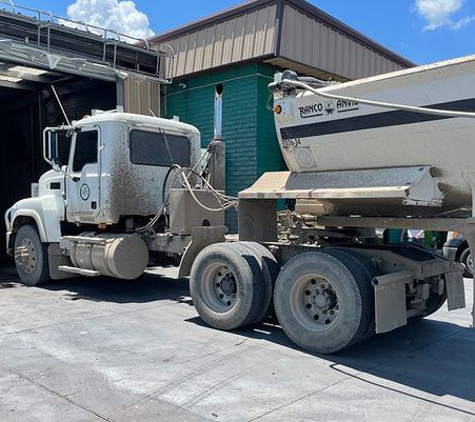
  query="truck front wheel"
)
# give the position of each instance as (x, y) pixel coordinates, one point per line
(31, 257)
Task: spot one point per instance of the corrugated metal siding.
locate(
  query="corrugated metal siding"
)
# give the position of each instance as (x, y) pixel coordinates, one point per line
(312, 43)
(142, 96)
(243, 37)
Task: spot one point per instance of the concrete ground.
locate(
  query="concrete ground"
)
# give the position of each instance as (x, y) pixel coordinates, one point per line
(108, 350)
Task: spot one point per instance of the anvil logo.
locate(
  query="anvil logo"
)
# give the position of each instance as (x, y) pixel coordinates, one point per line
(84, 192)
(329, 107)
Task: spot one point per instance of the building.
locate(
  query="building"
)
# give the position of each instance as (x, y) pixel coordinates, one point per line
(240, 50)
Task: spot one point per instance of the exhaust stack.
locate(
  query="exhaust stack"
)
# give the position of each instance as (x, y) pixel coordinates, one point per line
(217, 164)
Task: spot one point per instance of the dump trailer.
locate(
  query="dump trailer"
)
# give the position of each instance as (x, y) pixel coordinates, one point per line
(392, 151)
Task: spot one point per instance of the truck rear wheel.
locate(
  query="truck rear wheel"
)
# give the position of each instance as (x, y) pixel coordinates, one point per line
(270, 270)
(320, 302)
(226, 286)
(31, 257)
(365, 271)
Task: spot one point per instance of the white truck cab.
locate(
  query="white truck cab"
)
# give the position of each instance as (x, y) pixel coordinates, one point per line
(108, 173)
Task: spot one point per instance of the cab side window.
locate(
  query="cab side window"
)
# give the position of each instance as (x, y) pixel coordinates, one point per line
(86, 149)
(159, 149)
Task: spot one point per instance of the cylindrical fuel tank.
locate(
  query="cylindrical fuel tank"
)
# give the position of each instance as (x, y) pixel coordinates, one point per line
(119, 255)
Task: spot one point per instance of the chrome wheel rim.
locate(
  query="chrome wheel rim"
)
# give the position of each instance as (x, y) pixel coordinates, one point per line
(25, 255)
(219, 287)
(314, 302)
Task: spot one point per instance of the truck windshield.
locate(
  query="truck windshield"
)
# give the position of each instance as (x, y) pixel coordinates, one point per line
(86, 150)
(159, 149)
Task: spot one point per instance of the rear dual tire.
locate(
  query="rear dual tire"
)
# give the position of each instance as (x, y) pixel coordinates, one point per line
(323, 301)
(231, 284)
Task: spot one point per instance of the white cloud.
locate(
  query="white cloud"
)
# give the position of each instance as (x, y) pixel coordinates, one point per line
(121, 15)
(463, 22)
(438, 13)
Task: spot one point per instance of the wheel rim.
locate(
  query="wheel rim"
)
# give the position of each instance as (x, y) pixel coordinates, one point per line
(314, 302)
(219, 287)
(25, 255)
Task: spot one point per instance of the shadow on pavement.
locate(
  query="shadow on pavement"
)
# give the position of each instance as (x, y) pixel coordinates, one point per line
(427, 356)
(430, 356)
(148, 288)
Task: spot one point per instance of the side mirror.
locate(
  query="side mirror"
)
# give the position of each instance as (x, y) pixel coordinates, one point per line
(52, 147)
(56, 164)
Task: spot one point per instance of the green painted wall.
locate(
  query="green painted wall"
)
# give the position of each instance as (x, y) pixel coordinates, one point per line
(248, 124)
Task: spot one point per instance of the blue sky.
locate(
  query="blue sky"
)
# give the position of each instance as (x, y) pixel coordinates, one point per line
(423, 31)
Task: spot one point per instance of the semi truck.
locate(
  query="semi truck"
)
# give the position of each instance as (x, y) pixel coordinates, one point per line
(390, 151)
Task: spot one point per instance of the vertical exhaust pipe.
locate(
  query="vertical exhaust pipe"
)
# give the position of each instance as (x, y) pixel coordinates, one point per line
(217, 164)
(218, 112)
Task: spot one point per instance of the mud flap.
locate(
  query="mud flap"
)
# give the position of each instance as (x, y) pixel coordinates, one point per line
(200, 238)
(455, 290)
(56, 258)
(390, 300)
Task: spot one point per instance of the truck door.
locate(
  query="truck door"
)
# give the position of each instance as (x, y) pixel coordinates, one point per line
(82, 182)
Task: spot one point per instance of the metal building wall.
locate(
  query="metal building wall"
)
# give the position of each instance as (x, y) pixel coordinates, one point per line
(311, 42)
(142, 96)
(242, 37)
(285, 33)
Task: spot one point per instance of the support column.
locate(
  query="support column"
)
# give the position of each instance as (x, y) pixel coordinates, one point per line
(120, 94)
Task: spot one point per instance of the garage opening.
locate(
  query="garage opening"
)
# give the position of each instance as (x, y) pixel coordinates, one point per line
(26, 108)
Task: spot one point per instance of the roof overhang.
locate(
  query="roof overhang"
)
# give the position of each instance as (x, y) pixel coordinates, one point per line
(40, 59)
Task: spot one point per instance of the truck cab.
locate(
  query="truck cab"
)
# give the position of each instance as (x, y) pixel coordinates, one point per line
(109, 172)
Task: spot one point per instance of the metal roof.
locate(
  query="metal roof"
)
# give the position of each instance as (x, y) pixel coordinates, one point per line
(40, 39)
(286, 33)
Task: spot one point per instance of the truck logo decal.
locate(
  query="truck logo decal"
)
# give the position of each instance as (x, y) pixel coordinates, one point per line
(312, 110)
(84, 192)
(372, 121)
(327, 107)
